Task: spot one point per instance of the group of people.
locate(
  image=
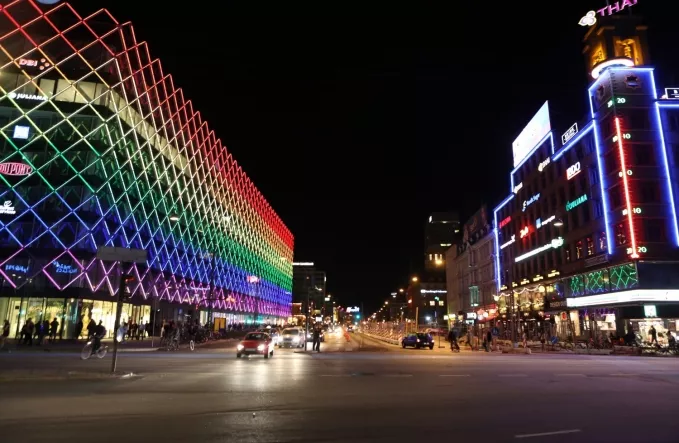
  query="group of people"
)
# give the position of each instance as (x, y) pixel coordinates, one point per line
(42, 331)
(489, 337)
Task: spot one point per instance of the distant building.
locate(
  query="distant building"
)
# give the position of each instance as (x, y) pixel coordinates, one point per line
(308, 283)
(470, 273)
(441, 231)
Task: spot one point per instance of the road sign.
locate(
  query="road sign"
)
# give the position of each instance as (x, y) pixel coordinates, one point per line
(128, 255)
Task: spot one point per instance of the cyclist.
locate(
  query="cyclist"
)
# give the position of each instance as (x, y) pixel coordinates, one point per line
(99, 333)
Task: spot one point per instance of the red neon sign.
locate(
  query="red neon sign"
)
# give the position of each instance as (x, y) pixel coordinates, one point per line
(525, 231)
(12, 168)
(621, 151)
(504, 222)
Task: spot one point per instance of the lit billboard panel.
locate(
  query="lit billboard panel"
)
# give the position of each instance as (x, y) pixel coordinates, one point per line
(535, 130)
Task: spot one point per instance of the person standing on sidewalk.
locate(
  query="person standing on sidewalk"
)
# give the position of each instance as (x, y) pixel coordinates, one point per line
(489, 341)
(54, 326)
(317, 340)
(495, 334)
(4, 335)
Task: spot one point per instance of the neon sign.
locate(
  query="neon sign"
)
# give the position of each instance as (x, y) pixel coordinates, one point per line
(17, 268)
(569, 134)
(622, 62)
(504, 222)
(518, 187)
(41, 64)
(530, 201)
(590, 18)
(621, 152)
(542, 165)
(22, 96)
(11, 168)
(513, 239)
(64, 269)
(539, 223)
(573, 171)
(7, 208)
(252, 279)
(577, 202)
(525, 231)
(556, 243)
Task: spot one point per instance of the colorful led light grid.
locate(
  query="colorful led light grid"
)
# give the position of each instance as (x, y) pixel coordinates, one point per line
(120, 158)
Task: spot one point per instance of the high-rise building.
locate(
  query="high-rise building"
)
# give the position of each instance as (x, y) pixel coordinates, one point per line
(441, 231)
(309, 283)
(99, 148)
(588, 238)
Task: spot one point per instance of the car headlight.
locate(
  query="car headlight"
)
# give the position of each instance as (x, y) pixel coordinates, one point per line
(295, 340)
(260, 347)
(240, 347)
(418, 340)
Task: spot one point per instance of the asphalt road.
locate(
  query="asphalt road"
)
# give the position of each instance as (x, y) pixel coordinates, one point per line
(344, 396)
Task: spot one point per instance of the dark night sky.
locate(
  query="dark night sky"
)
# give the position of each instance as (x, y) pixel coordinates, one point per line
(356, 124)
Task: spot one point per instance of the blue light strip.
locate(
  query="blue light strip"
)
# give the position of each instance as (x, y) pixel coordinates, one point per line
(588, 127)
(661, 131)
(604, 195)
(497, 241)
(544, 139)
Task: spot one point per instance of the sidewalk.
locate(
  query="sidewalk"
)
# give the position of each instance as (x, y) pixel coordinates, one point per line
(145, 345)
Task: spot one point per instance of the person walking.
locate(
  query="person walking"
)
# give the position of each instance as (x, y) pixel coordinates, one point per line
(316, 345)
(54, 326)
(654, 335)
(4, 335)
(489, 340)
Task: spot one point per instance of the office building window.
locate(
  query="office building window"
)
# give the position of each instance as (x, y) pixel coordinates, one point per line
(590, 246)
(578, 250)
(602, 241)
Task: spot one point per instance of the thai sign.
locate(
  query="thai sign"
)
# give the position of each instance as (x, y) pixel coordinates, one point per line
(590, 18)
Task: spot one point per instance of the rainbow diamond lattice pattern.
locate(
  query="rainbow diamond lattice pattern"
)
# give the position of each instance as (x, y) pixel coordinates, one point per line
(111, 153)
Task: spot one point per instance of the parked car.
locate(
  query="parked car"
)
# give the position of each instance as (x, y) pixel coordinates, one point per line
(417, 341)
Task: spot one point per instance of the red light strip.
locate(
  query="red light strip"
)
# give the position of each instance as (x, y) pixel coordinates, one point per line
(621, 151)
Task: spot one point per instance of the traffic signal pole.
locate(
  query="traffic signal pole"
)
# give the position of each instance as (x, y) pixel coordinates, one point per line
(119, 312)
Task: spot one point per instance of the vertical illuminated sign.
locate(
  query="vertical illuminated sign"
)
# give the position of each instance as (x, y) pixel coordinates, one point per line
(628, 201)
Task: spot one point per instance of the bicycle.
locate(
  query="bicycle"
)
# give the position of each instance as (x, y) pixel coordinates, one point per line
(88, 350)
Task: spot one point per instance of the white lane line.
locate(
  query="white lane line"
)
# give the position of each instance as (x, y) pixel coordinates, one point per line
(570, 375)
(333, 375)
(544, 434)
(454, 375)
(398, 375)
(512, 375)
(620, 374)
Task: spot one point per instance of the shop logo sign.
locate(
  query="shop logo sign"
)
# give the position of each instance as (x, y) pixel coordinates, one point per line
(65, 269)
(7, 208)
(11, 168)
(17, 268)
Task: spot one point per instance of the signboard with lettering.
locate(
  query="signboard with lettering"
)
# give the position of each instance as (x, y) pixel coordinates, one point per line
(573, 170)
(13, 168)
(589, 19)
(569, 134)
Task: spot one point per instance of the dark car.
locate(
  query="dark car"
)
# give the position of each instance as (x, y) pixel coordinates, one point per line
(255, 343)
(419, 340)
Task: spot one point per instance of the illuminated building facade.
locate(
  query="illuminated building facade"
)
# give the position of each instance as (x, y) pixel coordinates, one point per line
(588, 237)
(99, 148)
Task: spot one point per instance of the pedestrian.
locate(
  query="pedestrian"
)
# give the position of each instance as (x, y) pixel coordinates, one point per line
(543, 338)
(654, 335)
(53, 330)
(470, 338)
(489, 340)
(316, 346)
(4, 335)
(78, 329)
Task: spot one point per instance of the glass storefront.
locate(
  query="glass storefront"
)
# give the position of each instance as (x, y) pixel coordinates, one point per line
(662, 326)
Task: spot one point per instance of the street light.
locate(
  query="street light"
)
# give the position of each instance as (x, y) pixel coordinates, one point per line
(415, 279)
(558, 223)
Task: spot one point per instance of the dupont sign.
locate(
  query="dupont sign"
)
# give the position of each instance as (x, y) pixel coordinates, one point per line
(12, 168)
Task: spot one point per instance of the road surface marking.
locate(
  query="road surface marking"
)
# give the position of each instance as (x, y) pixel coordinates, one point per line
(454, 375)
(544, 434)
(333, 375)
(512, 375)
(623, 375)
(570, 375)
(398, 375)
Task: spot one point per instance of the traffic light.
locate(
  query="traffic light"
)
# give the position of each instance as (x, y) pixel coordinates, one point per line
(358, 316)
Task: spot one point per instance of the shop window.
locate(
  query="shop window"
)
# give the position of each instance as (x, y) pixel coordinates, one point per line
(578, 250)
(567, 251)
(602, 241)
(620, 234)
(590, 246)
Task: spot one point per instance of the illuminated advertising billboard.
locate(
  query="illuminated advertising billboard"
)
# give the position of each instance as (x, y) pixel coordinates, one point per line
(535, 130)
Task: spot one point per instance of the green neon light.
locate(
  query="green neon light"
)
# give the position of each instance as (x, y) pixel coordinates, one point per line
(577, 202)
